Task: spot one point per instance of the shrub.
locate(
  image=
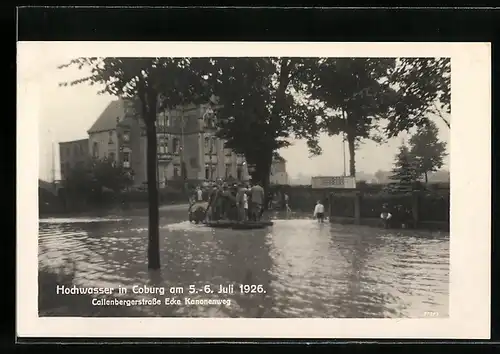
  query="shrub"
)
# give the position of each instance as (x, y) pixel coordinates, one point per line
(342, 205)
(434, 207)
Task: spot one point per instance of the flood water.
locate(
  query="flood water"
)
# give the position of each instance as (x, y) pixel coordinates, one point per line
(306, 269)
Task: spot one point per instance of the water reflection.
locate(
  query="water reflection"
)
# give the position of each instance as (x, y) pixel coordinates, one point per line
(307, 269)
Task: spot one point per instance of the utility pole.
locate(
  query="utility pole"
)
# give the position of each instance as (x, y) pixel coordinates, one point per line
(53, 162)
(181, 155)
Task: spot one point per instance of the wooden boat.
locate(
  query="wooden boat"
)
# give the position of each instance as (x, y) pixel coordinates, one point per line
(239, 225)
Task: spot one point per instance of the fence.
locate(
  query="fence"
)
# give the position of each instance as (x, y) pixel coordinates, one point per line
(419, 209)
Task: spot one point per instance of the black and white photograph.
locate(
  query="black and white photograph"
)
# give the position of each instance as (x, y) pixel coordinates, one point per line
(295, 185)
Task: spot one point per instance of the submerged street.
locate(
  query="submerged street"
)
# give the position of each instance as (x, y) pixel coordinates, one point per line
(302, 268)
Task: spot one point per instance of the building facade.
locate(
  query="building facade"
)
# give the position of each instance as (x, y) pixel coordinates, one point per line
(186, 144)
(73, 154)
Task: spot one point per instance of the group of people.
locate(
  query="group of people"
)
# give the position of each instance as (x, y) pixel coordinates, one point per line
(236, 201)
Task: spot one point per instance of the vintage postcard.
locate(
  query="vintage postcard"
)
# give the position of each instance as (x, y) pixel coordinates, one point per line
(258, 190)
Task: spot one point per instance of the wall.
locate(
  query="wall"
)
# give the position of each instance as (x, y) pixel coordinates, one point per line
(304, 198)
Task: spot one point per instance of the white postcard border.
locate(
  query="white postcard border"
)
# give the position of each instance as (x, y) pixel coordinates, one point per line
(470, 199)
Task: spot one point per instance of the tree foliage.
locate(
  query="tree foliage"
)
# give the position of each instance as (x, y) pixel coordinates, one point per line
(99, 174)
(427, 150)
(259, 110)
(405, 172)
(357, 95)
(352, 95)
(422, 86)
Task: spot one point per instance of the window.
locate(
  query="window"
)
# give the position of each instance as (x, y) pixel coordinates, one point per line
(126, 136)
(176, 172)
(228, 152)
(164, 120)
(162, 144)
(207, 172)
(228, 170)
(214, 144)
(126, 159)
(175, 146)
(112, 156)
(110, 139)
(207, 143)
(95, 150)
(239, 172)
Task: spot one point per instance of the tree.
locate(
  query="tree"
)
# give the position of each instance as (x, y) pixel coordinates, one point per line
(355, 94)
(405, 171)
(153, 84)
(78, 182)
(352, 95)
(426, 148)
(258, 108)
(421, 86)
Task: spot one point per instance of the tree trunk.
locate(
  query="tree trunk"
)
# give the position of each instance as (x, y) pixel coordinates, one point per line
(426, 177)
(262, 172)
(153, 225)
(352, 154)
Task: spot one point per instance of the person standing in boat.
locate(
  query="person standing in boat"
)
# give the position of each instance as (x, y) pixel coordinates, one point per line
(213, 203)
(319, 211)
(240, 202)
(225, 201)
(245, 206)
(199, 194)
(258, 196)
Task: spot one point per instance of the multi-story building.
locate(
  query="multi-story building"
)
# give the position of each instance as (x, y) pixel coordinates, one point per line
(187, 145)
(73, 154)
(278, 172)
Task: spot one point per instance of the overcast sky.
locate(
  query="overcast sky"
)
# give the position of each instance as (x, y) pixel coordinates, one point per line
(67, 112)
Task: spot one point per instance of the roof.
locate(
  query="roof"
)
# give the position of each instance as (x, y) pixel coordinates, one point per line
(117, 109)
(74, 141)
(107, 119)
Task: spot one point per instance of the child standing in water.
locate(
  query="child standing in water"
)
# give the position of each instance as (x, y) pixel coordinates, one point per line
(385, 215)
(319, 211)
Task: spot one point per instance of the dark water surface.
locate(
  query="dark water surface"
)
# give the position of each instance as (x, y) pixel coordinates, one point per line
(306, 269)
